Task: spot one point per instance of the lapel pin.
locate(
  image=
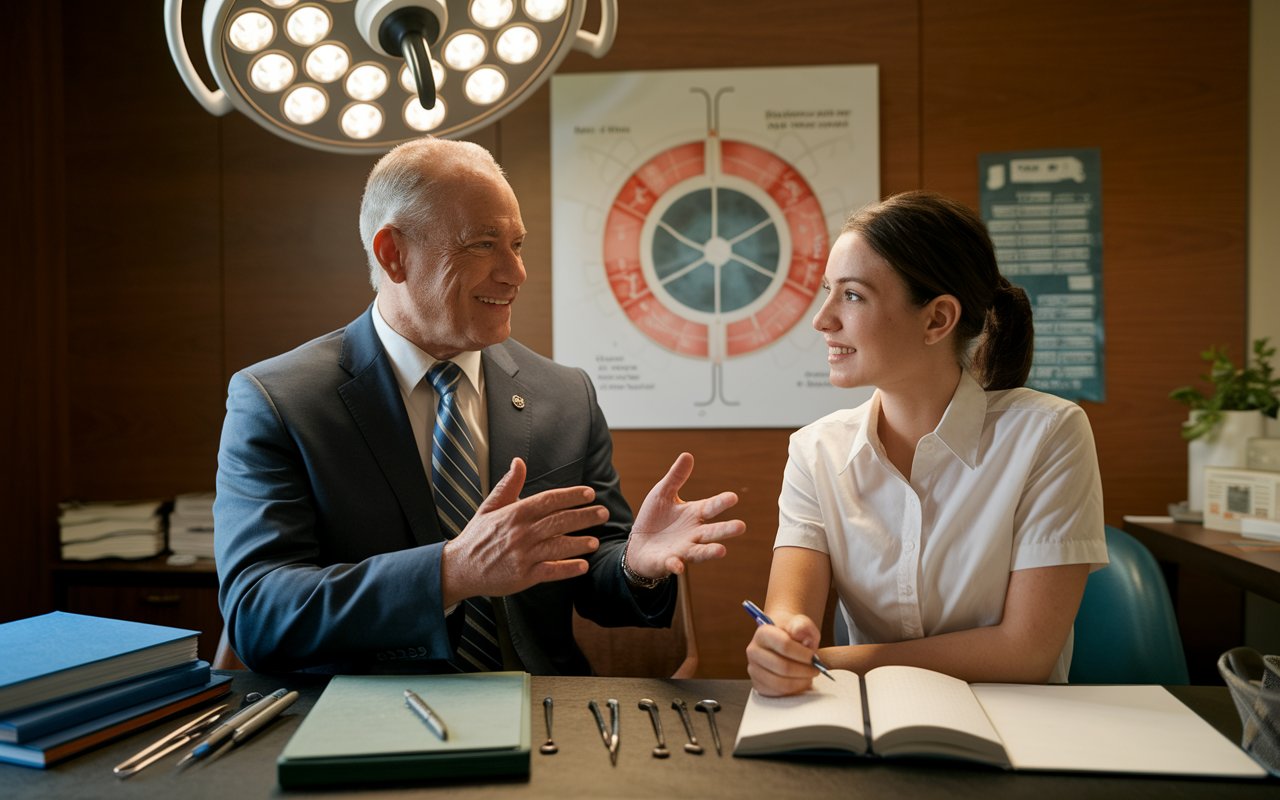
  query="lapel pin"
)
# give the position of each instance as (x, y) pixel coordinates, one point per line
(517, 401)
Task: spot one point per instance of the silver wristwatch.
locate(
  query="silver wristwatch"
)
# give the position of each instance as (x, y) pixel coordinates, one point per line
(639, 580)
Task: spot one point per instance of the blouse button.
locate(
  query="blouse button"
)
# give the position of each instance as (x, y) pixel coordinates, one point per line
(908, 546)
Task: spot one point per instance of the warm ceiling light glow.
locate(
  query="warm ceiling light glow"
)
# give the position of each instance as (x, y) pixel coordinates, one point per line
(406, 77)
(251, 31)
(280, 3)
(366, 82)
(272, 72)
(464, 51)
(421, 119)
(544, 10)
(485, 85)
(491, 13)
(517, 44)
(305, 105)
(361, 120)
(327, 63)
(307, 25)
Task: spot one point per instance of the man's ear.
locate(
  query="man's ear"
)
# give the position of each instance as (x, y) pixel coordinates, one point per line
(387, 248)
(942, 314)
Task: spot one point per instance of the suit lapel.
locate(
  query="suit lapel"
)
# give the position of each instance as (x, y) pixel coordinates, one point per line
(373, 399)
(510, 426)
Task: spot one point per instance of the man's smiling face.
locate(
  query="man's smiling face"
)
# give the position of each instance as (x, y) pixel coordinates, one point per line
(463, 273)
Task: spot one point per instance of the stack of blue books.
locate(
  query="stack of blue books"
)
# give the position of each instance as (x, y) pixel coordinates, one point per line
(70, 682)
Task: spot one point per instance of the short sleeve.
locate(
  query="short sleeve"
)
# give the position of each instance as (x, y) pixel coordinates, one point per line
(1059, 516)
(799, 512)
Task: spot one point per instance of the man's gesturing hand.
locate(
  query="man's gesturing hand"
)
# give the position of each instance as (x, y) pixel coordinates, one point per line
(669, 532)
(511, 544)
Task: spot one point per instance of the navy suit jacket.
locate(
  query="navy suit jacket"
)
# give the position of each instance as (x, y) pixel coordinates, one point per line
(328, 545)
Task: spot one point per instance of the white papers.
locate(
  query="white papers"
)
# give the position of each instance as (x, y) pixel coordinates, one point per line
(1263, 529)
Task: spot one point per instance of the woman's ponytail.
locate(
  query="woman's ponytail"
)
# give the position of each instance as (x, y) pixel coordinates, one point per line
(1003, 357)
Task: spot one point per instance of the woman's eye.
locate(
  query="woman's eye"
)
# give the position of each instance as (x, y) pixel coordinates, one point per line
(851, 296)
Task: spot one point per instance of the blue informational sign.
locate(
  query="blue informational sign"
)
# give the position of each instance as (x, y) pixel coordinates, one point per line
(1043, 209)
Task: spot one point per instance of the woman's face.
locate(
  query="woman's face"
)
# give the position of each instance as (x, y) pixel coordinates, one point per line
(875, 335)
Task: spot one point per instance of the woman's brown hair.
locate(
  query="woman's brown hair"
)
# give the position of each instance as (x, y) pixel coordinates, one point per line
(940, 246)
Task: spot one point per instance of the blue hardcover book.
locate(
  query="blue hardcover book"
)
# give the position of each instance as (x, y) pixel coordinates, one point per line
(23, 726)
(57, 655)
(68, 742)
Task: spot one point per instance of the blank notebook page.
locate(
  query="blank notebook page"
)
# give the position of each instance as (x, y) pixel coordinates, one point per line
(902, 697)
(835, 703)
(1108, 729)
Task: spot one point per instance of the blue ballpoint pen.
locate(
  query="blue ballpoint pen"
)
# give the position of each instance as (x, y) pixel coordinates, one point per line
(762, 618)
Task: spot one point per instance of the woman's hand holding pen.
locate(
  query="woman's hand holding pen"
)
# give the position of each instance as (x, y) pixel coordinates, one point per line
(780, 656)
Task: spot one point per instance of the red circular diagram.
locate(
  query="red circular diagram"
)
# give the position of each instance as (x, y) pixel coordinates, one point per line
(623, 241)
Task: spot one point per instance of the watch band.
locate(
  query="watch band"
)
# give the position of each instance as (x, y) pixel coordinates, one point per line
(639, 580)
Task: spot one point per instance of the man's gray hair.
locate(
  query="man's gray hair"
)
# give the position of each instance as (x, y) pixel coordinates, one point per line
(407, 185)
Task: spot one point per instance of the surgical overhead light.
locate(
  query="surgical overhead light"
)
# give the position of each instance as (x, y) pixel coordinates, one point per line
(361, 76)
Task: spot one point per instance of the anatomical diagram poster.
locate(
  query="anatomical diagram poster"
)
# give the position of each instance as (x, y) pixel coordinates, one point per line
(692, 214)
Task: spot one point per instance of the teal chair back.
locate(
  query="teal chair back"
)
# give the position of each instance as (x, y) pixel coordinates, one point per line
(1126, 631)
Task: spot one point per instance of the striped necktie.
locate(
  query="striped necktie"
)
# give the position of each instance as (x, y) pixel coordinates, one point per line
(455, 479)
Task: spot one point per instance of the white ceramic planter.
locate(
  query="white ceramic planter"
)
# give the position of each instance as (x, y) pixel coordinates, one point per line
(1227, 445)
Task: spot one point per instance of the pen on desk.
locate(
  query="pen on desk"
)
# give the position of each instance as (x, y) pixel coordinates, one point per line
(260, 721)
(428, 716)
(227, 729)
(763, 619)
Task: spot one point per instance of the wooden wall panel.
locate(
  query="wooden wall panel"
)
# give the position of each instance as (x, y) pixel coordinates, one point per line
(295, 268)
(144, 285)
(1161, 88)
(32, 312)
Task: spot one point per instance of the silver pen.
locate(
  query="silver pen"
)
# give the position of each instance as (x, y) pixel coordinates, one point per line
(227, 729)
(428, 716)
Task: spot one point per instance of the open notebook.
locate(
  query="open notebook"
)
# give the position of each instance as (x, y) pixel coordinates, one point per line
(907, 711)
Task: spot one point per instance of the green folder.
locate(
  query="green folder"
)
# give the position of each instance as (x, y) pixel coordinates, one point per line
(362, 731)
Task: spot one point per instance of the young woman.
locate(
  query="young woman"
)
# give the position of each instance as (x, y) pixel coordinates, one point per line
(958, 514)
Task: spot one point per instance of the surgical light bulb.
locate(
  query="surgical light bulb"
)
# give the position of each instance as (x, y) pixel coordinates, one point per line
(491, 13)
(305, 104)
(327, 63)
(271, 73)
(422, 119)
(517, 44)
(544, 10)
(361, 120)
(464, 51)
(307, 25)
(406, 77)
(485, 85)
(251, 31)
(280, 3)
(367, 82)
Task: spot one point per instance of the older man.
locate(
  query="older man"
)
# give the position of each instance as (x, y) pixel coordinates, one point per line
(415, 491)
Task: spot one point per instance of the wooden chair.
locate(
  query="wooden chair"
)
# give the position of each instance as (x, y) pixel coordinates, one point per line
(643, 652)
(615, 652)
(226, 658)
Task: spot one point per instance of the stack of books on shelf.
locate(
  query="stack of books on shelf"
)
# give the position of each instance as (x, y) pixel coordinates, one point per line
(70, 682)
(90, 531)
(191, 525)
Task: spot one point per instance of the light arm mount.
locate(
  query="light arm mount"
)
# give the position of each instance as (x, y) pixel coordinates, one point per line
(409, 32)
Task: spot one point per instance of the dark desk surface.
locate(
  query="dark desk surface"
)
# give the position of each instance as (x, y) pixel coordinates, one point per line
(1246, 563)
(581, 769)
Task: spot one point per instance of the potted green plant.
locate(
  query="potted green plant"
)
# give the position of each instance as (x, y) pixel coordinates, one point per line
(1221, 424)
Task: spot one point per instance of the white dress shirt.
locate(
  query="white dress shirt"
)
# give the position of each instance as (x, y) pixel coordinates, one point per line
(1007, 481)
(410, 365)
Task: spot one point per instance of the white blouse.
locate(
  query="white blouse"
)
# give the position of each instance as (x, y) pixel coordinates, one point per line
(1008, 480)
